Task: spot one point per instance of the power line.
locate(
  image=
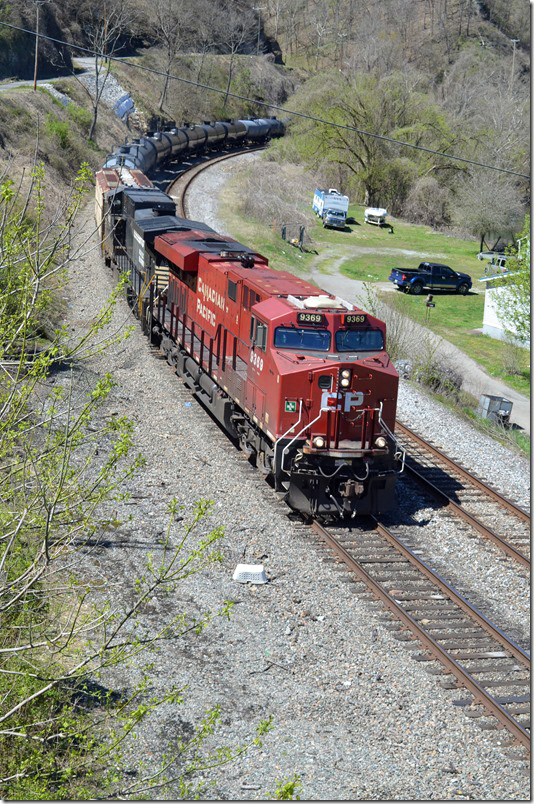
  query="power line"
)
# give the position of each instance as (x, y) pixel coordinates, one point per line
(313, 118)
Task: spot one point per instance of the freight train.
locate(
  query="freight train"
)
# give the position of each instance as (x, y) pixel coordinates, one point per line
(299, 378)
(146, 153)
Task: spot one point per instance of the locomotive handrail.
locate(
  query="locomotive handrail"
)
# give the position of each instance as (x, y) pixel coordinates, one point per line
(390, 433)
(285, 434)
(299, 433)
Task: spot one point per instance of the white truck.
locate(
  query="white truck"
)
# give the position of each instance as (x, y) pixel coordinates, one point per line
(331, 206)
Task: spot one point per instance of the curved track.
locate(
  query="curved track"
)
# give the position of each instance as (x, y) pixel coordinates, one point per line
(177, 188)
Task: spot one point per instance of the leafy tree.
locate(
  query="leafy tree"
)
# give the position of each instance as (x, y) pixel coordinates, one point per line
(513, 302)
(391, 107)
(62, 465)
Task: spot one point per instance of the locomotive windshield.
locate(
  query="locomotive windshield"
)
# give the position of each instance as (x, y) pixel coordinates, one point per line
(359, 340)
(317, 340)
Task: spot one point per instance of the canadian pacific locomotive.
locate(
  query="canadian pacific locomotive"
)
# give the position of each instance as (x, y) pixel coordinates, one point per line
(300, 378)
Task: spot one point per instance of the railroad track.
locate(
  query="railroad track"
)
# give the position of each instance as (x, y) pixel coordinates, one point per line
(492, 668)
(482, 659)
(177, 188)
(484, 508)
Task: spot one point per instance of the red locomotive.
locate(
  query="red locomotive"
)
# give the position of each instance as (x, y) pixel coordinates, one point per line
(300, 378)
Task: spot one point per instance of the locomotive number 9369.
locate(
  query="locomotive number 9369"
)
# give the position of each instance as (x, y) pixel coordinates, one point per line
(256, 360)
(310, 318)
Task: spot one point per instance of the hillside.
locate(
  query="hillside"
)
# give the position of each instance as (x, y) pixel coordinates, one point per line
(447, 76)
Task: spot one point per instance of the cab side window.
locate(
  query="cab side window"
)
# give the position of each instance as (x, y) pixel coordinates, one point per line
(261, 336)
(258, 333)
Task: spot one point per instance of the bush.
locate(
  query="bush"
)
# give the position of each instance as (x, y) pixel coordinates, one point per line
(400, 338)
(428, 202)
(59, 131)
(82, 117)
(268, 193)
(513, 356)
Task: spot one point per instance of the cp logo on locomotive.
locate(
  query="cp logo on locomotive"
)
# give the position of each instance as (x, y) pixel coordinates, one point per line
(353, 399)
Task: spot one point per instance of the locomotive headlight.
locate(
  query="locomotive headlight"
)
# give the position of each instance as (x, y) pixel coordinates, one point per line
(346, 373)
(345, 382)
(381, 442)
(318, 442)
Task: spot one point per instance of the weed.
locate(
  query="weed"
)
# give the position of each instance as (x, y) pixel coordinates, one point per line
(58, 130)
(81, 116)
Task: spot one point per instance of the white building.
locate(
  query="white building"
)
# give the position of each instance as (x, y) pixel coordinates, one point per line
(492, 325)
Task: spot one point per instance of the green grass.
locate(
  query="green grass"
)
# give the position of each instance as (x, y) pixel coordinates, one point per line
(455, 318)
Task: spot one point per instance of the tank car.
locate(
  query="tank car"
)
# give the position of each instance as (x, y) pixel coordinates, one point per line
(145, 153)
(258, 130)
(179, 141)
(236, 131)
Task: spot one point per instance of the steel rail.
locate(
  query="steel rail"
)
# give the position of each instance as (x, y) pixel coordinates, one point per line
(474, 481)
(472, 520)
(459, 599)
(460, 673)
(190, 174)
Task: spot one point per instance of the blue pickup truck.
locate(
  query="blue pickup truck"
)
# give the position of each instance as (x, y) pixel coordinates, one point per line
(431, 275)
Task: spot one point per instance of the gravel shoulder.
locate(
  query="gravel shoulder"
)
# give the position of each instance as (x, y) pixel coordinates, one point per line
(354, 715)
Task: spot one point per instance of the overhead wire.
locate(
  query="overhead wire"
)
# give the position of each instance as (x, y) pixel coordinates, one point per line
(266, 104)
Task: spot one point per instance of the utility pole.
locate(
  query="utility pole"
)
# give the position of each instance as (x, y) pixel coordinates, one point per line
(38, 4)
(514, 42)
(257, 9)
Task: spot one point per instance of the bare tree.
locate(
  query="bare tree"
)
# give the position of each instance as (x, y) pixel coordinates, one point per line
(204, 35)
(236, 27)
(105, 24)
(489, 205)
(172, 19)
(321, 27)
